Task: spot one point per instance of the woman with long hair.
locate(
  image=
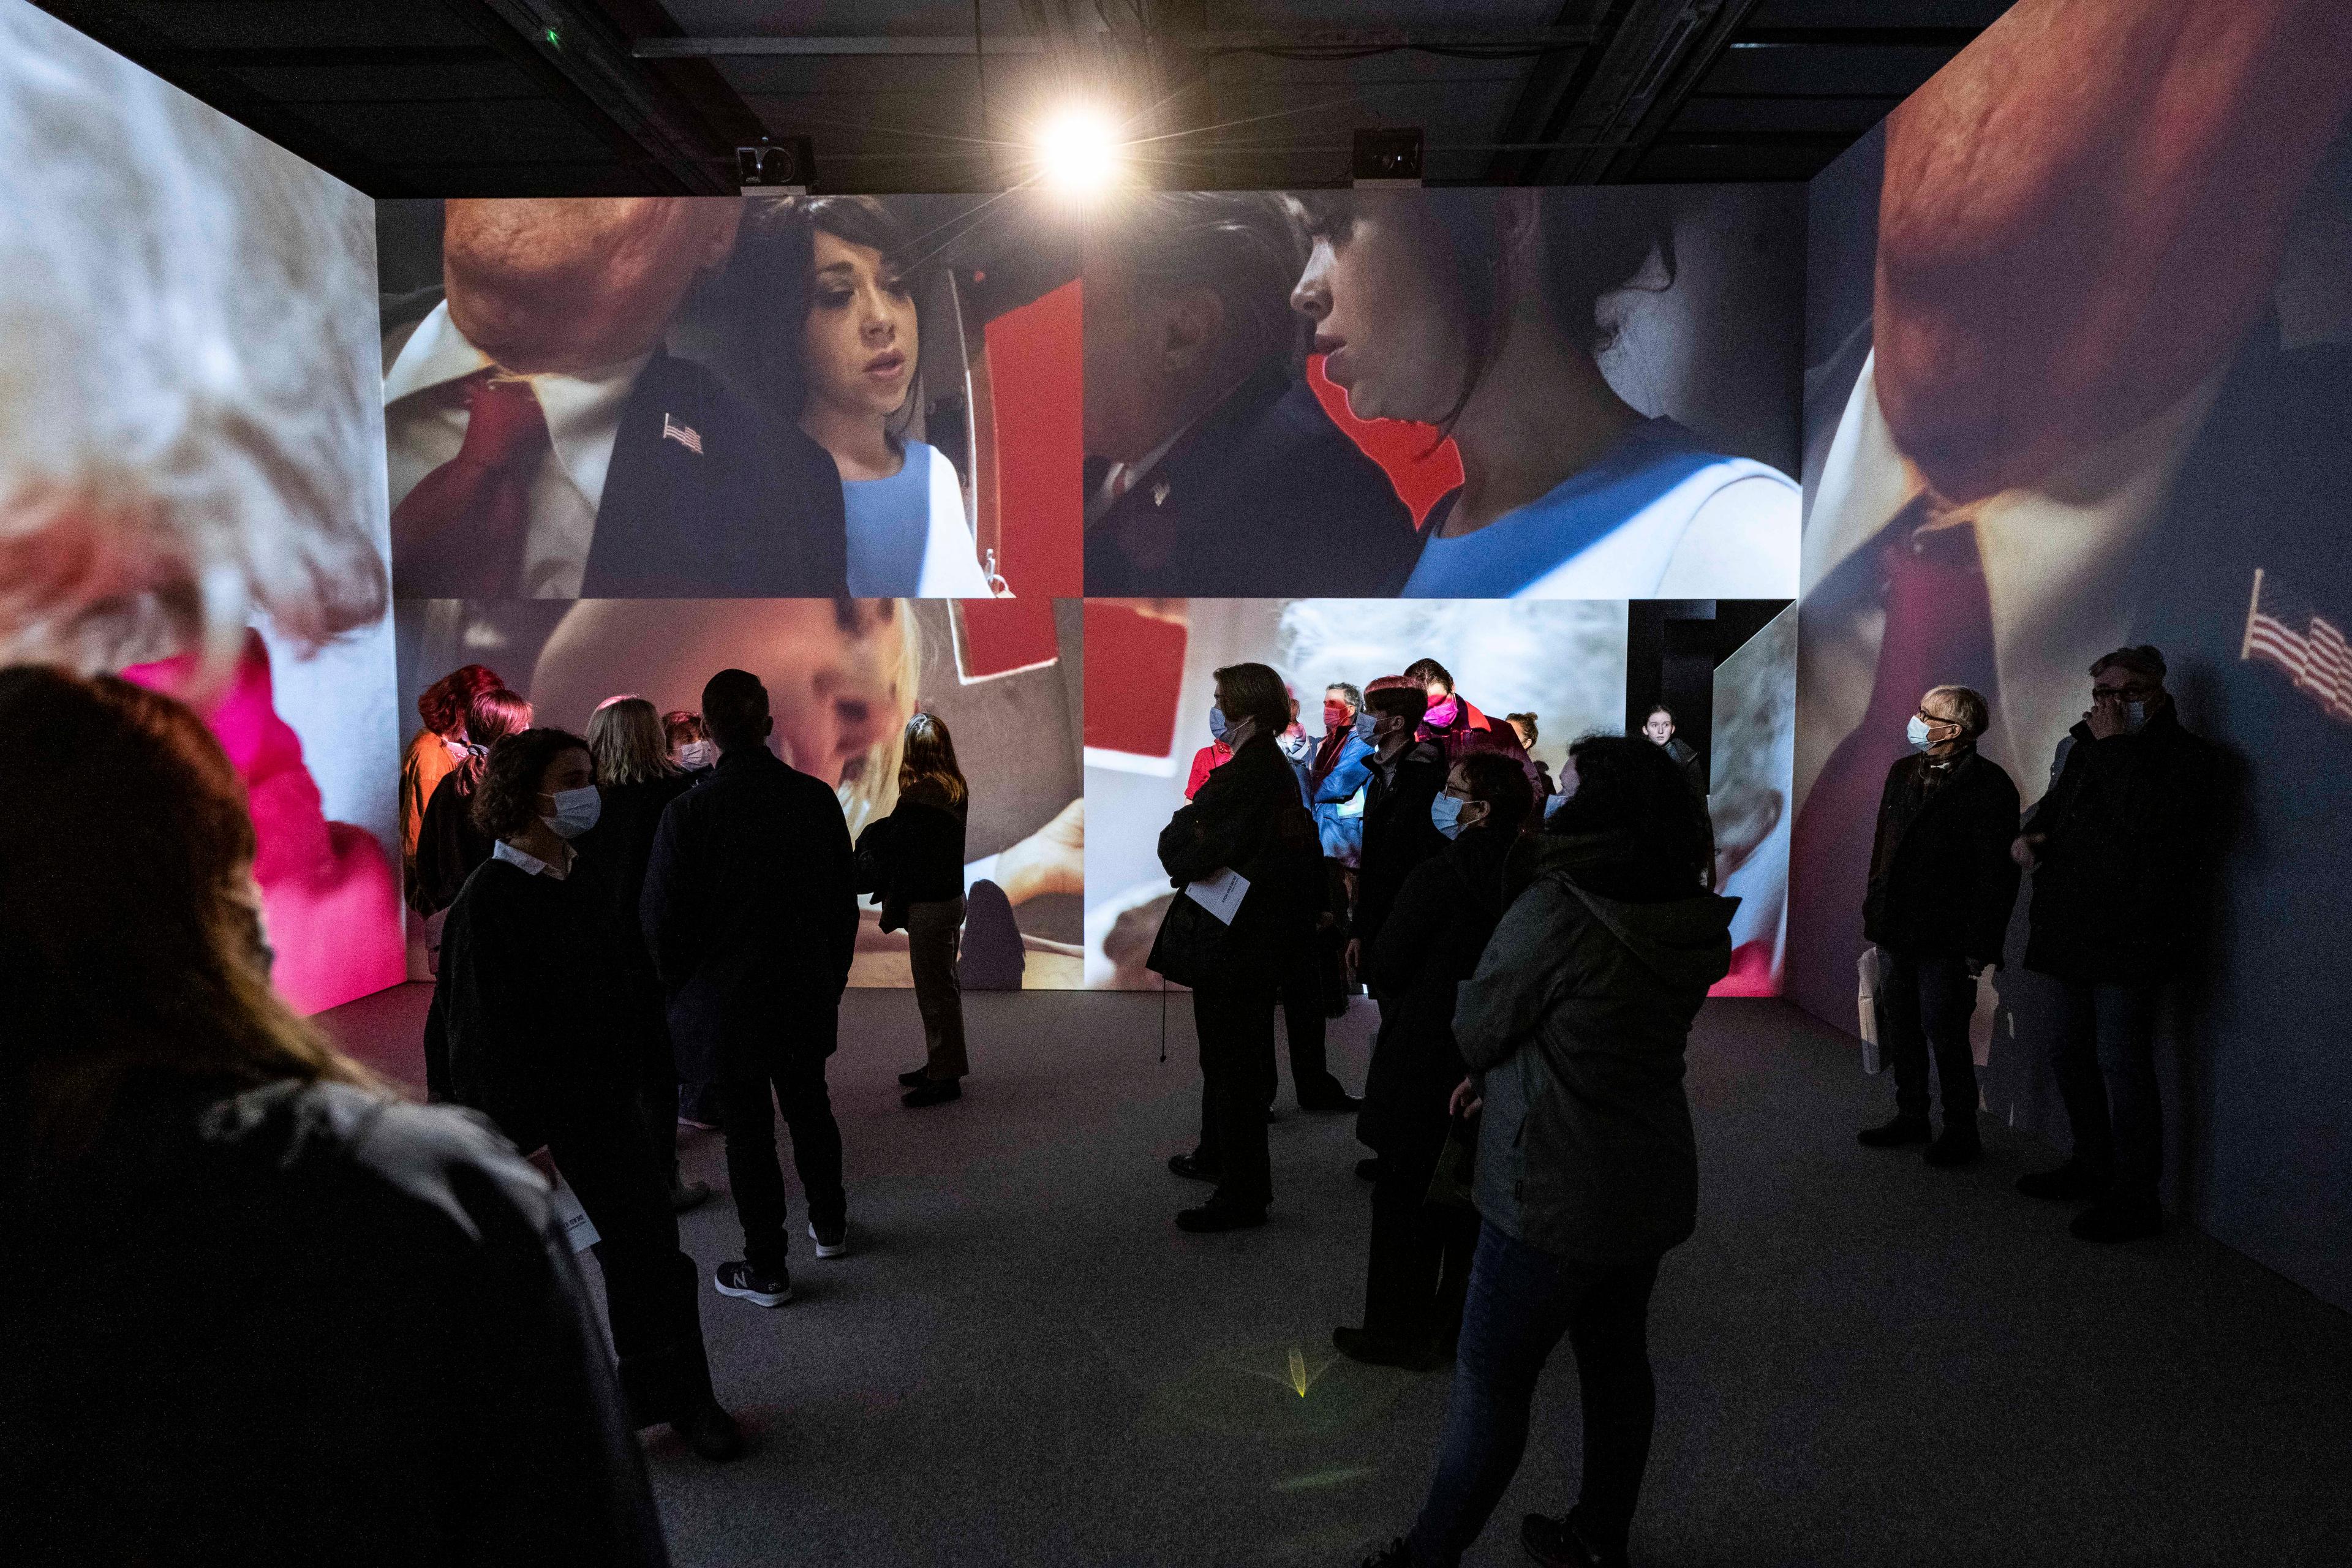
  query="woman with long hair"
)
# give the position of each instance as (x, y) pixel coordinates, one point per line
(531, 1016)
(448, 845)
(1481, 313)
(1573, 1029)
(335, 1326)
(913, 859)
(844, 362)
(637, 780)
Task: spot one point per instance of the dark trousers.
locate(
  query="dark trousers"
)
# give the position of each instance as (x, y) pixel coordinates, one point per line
(1304, 1017)
(933, 933)
(2105, 1061)
(1926, 1001)
(749, 1116)
(1522, 1300)
(1236, 1030)
(651, 1287)
(1418, 1275)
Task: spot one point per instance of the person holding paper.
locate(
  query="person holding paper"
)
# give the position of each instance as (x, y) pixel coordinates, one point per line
(1247, 855)
(531, 1014)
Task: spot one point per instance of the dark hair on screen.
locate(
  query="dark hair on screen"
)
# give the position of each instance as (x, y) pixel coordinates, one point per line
(506, 800)
(1496, 778)
(442, 704)
(735, 708)
(1592, 241)
(1247, 247)
(1651, 828)
(129, 939)
(777, 263)
(1255, 691)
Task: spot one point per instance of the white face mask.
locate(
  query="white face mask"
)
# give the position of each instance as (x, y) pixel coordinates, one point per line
(1917, 732)
(697, 756)
(576, 811)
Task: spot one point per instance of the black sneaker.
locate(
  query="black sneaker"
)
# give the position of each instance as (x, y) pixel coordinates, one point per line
(1895, 1134)
(1192, 1167)
(832, 1241)
(1215, 1216)
(710, 1432)
(910, 1079)
(1558, 1543)
(2071, 1181)
(1395, 1556)
(741, 1280)
(1957, 1146)
(933, 1091)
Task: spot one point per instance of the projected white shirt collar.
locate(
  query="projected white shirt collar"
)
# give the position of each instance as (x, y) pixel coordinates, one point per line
(584, 416)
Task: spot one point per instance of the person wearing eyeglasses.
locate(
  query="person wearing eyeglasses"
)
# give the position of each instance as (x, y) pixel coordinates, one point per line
(2121, 852)
(1942, 885)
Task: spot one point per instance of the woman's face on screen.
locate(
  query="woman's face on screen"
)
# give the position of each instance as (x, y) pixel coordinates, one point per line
(859, 343)
(1382, 321)
(835, 677)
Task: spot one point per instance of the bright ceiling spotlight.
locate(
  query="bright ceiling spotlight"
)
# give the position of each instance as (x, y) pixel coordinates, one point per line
(1079, 150)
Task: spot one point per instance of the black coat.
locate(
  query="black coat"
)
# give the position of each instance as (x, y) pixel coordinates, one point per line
(1429, 943)
(2126, 869)
(620, 847)
(448, 847)
(756, 512)
(1942, 882)
(1266, 496)
(1694, 766)
(750, 910)
(529, 1021)
(1247, 817)
(374, 1349)
(914, 855)
(1398, 836)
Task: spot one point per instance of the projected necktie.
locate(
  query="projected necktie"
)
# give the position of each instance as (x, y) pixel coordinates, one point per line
(459, 533)
(1938, 633)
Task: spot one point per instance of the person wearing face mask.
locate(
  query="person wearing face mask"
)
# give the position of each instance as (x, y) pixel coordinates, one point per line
(637, 780)
(1337, 771)
(1248, 820)
(449, 846)
(690, 751)
(2121, 853)
(1212, 756)
(750, 912)
(1419, 1266)
(1405, 776)
(845, 362)
(530, 1016)
(1942, 885)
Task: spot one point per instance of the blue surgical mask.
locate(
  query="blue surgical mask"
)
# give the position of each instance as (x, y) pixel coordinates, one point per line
(2135, 716)
(1365, 723)
(1917, 732)
(1445, 815)
(1216, 722)
(576, 811)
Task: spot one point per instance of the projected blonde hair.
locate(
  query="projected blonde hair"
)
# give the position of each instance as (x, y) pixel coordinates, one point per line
(188, 431)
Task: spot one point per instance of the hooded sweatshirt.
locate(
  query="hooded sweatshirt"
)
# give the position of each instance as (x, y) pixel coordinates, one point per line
(1574, 1028)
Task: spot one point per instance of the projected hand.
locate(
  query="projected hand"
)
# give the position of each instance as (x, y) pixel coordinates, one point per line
(1051, 860)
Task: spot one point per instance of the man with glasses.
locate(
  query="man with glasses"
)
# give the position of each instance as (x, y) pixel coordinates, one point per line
(2120, 850)
(1942, 885)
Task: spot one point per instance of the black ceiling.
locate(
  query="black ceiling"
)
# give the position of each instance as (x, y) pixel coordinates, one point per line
(579, 97)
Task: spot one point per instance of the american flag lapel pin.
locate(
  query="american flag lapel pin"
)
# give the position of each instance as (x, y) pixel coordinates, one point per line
(1159, 493)
(685, 436)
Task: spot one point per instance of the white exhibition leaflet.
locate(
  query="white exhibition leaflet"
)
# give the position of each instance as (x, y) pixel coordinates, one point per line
(1221, 895)
(577, 1228)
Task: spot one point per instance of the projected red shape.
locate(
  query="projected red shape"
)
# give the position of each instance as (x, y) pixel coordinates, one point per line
(1000, 635)
(1034, 358)
(1421, 477)
(1135, 666)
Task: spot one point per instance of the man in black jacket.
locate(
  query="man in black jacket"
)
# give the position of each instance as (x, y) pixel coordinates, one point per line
(1211, 466)
(2121, 852)
(1406, 776)
(1941, 888)
(752, 920)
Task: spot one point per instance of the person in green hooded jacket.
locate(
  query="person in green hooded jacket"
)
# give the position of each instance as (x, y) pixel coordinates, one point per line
(1573, 1030)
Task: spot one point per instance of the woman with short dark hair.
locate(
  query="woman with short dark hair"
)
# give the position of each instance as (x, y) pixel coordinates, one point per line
(329, 1326)
(529, 1021)
(1573, 1029)
(1248, 821)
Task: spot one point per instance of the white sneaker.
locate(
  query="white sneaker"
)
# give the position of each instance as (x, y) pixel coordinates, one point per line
(833, 1247)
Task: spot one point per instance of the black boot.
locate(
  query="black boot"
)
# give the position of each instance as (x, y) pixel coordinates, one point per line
(1957, 1146)
(2071, 1181)
(1895, 1134)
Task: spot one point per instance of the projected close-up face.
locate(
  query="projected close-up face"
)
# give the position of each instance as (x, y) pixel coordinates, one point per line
(839, 682)
(1374, 290)
(1124, 399)
(577, 283)
(860, 344)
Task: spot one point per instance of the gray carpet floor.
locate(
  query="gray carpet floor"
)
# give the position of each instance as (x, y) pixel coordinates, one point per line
(1860, 1359)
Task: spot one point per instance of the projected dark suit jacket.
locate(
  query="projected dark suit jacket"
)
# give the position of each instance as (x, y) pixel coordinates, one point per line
(755, 514)
(1265, 498)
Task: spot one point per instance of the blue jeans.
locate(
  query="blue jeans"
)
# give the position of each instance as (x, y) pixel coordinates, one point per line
(1522, 1300)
